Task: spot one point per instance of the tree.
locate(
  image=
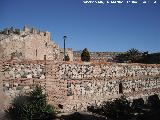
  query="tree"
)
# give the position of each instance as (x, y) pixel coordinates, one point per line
(133, 55)
(67, 58)
(144, 57)
(154, 58)
(153, 101)
(32, 107)
(85, 56)
(117, 109)
(121, 58)
(138, 105)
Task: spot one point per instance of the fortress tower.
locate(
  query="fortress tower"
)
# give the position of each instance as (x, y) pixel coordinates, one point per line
(29, 44)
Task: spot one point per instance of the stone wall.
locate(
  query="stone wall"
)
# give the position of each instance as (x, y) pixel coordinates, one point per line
(107, 70)
(82, 93)
(21, 77)
(97, 56)
(76, 85)
(69, 52)
(14, 70)
(91, 83)
(28, 44)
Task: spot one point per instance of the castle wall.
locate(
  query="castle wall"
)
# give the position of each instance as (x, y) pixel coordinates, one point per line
(29, 45)
(91, 83)
(77, 85)
(85, 70)
(38, 47)
(97, 56)
(19, 77)
(69, 52)
(12, 44)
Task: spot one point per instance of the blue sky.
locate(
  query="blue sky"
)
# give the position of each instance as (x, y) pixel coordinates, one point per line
(98, 27)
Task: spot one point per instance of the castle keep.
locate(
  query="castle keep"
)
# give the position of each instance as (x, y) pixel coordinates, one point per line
(72, 85)
(28, 44)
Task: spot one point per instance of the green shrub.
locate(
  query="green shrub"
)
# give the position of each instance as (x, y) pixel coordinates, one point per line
(138, 105)
(117, 109)
(31, 107)
(132, 55)
(153, 101)
(85, 56)
(67, 58)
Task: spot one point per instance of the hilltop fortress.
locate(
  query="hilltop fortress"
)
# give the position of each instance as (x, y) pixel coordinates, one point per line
(30, 57)
(33, 44)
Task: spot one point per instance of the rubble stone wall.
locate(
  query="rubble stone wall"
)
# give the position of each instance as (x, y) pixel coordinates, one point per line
(76, 85)
(92, 83)
(20, 77)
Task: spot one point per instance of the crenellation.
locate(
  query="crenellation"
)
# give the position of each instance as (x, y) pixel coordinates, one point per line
(34, 31)
(26, 29)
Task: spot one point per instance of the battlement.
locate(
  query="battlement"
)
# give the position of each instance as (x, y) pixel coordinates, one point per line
(10, 30)
(25, 30)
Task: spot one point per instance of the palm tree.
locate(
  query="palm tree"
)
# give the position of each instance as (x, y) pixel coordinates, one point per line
(133, 55)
